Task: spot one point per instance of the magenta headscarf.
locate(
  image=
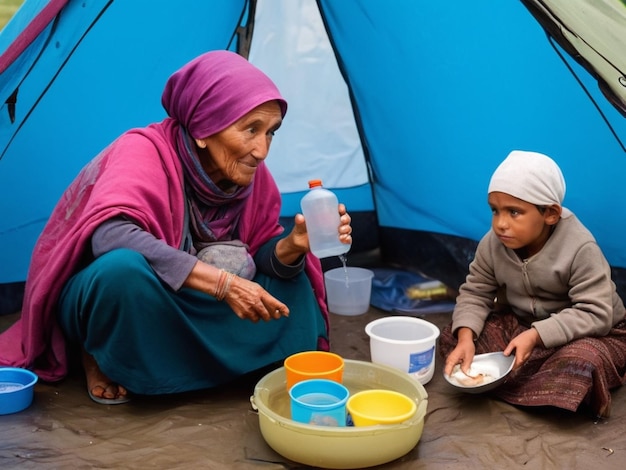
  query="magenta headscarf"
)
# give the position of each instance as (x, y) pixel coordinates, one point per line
(214, 90)
(205, 96)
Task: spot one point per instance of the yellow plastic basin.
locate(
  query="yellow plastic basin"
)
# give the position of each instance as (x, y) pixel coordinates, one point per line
(340, 447)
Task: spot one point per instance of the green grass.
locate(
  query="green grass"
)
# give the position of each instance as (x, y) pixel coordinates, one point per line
(7, 10)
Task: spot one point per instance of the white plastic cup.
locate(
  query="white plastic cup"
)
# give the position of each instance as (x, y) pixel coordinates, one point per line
(348, 290)
(320, 208)
(405, 343)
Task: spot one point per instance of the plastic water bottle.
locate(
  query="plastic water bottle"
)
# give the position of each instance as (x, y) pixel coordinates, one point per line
(319, 207)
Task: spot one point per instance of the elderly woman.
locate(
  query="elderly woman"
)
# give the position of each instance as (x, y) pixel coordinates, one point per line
(164, 262)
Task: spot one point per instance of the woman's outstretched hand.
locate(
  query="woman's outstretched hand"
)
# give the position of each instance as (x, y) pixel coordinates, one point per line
(247, 298)
(250, 301)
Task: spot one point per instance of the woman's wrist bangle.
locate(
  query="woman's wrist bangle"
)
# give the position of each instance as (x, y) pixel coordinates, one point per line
(223, 284)
(219, 285)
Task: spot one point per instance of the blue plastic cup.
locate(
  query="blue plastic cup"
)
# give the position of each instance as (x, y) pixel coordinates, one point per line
(319, 402)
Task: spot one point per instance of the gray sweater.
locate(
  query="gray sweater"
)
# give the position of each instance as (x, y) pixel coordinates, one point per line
(171, 264)
(565, 291)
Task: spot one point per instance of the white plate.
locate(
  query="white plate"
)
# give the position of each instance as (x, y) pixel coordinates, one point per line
(489, 371)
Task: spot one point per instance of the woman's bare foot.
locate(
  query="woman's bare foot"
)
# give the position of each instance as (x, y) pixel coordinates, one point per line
(102, 389)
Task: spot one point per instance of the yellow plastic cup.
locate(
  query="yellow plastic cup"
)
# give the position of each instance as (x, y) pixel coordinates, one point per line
(313, 365)
(377, 406)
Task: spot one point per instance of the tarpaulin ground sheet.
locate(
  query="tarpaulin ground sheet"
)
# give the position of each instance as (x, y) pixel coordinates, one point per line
(217, 429)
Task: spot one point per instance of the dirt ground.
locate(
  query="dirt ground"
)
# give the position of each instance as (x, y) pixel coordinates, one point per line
(217, 429)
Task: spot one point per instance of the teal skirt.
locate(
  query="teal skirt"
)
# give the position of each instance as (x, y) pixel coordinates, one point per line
(152, 340)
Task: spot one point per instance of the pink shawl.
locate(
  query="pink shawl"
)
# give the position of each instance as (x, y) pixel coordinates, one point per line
(107, 187)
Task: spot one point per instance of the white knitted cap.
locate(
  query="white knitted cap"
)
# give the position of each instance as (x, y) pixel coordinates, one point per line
(530, 176)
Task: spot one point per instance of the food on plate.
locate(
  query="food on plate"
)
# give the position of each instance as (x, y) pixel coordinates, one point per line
(475, 376)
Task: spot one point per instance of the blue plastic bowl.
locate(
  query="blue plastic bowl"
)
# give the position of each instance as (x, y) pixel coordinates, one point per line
(16, 389)
(320, 402)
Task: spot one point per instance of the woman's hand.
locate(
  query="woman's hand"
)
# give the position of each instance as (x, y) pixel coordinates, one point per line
(345, 229)
(294, 245)
(247, 298)
(250, 301)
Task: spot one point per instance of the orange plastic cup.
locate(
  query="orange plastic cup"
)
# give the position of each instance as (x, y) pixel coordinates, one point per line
(313, 365)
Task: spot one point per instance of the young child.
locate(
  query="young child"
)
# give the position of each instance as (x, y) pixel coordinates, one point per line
(540, 288)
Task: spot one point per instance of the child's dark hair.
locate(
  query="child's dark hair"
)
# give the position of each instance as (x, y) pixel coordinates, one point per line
(541, 209)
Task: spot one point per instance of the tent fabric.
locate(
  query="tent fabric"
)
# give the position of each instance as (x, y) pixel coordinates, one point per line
(592, 31)
(291, 45)
(435, 105)
(461, 102)
(80, 88)
(30, 33)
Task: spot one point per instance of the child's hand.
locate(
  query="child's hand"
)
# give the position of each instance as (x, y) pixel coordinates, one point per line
(523, 344)
(463, 353)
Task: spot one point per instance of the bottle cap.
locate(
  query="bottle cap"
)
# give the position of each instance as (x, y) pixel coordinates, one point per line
(314, 183)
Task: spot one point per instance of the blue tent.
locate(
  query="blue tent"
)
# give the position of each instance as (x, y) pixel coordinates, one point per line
(404, 108)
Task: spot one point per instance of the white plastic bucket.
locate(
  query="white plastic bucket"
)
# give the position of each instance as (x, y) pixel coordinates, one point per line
(406, 343)
(349, 290)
